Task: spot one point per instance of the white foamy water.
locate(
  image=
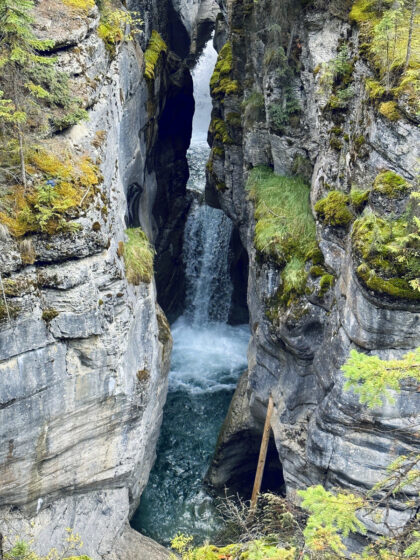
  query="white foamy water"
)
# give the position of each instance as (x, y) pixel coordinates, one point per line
(208, 358)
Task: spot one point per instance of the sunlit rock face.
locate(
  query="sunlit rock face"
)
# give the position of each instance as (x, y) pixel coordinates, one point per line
(84, 362)
(323, 435)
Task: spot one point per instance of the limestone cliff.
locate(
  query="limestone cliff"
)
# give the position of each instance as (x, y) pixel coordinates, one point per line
(274, 105)
(84, 354)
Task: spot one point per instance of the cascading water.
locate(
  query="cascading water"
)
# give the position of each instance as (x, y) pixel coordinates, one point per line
(207, 358)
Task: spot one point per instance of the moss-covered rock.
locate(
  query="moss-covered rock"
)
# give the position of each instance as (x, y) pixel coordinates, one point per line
(221, 82)
(334, 209)
(390, 184)
(388, 252)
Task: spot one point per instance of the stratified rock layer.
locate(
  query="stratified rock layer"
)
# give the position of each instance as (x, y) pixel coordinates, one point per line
(322, 433)
(84, 363)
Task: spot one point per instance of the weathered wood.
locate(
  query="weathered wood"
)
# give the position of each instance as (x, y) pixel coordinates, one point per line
(263, 454)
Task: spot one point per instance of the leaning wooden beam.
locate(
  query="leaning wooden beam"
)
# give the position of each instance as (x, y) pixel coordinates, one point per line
(263, 454)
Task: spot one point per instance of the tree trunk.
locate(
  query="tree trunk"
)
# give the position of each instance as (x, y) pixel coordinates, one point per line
(22, 158)
(263, 454)
(410, 33)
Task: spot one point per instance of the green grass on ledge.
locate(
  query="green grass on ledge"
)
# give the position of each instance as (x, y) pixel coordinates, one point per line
(138, 257)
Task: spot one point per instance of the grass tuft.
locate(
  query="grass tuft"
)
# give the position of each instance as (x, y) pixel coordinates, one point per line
(138, 257)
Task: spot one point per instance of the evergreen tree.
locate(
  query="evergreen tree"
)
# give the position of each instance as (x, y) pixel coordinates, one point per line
(32, 87)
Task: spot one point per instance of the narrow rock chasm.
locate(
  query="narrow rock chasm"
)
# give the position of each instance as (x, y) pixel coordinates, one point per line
(210, 335)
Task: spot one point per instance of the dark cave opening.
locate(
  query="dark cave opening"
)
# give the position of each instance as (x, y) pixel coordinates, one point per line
(236, 464)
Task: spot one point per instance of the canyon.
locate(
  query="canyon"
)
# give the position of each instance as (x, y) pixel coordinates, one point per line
(84, 362)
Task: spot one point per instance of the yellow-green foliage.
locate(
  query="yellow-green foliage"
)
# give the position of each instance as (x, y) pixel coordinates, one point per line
(221, 82)
(285, 228)
(385, 30)
(83, 6)
(116, 25)
(334, 210)
(390, 184)
(372, 378)
(138, 257)
(388, 251)
(65, 187)
(155, 48)
(257, 549)
(389, 110)
(21, 550)
(359, 198)
(219, 131)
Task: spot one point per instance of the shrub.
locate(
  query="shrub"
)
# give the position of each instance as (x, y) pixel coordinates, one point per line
(155, 48)
(334, 210)
(138, 257)
(116, 25)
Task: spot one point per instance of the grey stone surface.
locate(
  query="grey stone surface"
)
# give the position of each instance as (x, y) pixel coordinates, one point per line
(323, 435)
(78, 422)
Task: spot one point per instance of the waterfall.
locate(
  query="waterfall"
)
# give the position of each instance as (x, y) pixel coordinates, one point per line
(207, 359)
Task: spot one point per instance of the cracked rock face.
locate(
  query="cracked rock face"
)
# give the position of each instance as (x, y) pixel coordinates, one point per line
(323, 435)
(85, 356)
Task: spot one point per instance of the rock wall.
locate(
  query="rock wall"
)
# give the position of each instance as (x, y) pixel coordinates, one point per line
(322, 433)
(84, 362)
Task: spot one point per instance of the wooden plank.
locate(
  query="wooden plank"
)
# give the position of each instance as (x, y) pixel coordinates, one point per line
(263, 454)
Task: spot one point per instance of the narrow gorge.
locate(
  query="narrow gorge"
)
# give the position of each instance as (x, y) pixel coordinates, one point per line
(215, 203)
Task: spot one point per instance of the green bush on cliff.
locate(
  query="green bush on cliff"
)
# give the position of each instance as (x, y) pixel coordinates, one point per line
(155, 48)
(138, 257)
(392, 44)
(388, 251)
(372, 378)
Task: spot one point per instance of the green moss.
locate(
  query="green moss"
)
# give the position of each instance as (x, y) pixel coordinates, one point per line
(335, 143)
(315, 255)
(390, 110)
(374, 88)
(326, 282)
(63, 186)
(334, 210)
(138, 257)
(234, 119)
(359, 198)
(11, 310)
(219, 131)
(254, 107)
(218, 151)
(337, 130)
(221, 82)
(155, 48)
(388, 253)
(359, 141)
(221, 186)
(390, 184)
(49, 314)
(316, 271)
